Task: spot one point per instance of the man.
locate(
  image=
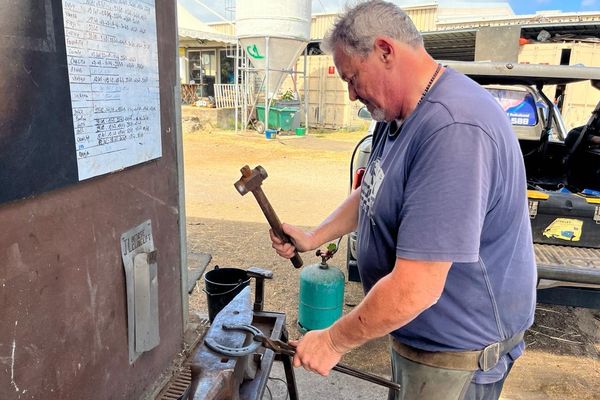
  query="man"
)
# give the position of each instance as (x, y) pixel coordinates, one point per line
(444, 240)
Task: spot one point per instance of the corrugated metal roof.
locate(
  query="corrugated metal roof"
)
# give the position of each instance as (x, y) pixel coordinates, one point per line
(589, 29)
(460, 44)
(523, 20)
(453, 45)
(190, 27)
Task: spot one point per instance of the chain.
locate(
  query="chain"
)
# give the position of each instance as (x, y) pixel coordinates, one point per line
(437, 71)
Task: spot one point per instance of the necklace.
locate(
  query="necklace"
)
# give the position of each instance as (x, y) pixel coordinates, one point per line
(393, 126)
(437, 71)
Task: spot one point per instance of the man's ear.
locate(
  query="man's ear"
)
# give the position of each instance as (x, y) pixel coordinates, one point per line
(383, 48)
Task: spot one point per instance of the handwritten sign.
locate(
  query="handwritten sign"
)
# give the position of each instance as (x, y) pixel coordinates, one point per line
(112, 59)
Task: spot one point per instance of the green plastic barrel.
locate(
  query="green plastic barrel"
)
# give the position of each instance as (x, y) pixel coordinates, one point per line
(321, 297)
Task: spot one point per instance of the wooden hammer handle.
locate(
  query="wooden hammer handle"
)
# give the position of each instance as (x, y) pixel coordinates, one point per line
(275, 223)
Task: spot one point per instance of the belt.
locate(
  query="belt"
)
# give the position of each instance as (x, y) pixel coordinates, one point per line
(484, 360)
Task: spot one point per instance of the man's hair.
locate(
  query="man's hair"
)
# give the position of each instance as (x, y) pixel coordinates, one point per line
(356, 29)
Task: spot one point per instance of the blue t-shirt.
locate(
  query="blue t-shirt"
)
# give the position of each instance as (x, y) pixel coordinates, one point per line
(450, 185)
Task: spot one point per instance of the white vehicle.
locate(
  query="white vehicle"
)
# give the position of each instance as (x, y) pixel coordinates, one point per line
(563, 176)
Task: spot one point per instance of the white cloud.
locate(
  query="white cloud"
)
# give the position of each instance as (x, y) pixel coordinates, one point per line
(588, 3)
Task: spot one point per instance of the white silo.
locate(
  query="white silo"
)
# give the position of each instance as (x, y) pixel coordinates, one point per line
(273, 33)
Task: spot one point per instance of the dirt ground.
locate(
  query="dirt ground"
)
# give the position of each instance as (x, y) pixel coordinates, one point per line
(308, 177)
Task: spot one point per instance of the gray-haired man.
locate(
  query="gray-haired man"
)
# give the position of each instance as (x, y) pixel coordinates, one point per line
(444, 241)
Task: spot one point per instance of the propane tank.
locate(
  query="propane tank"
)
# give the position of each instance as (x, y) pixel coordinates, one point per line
(321, 293)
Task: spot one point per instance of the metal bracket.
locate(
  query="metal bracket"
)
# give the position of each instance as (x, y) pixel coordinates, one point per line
(533, 208)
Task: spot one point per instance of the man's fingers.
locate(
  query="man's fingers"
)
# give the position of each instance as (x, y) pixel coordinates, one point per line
(284, 250)
(296, 362)
(274, 237)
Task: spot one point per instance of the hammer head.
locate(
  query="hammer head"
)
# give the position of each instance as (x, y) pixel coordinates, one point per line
(251, 179)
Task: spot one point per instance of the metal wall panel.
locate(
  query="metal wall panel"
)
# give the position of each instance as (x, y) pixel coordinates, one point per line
(320, 25)
(580, 98)
(497, 44)
(223, 27)
(424, 18)
(62, 286)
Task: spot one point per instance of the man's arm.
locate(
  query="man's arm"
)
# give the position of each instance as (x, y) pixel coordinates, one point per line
(341, 221)
(412, 287)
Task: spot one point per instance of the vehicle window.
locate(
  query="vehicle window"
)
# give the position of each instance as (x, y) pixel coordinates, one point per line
(519, 106)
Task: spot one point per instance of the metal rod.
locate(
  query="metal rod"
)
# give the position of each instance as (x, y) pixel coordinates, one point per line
(267, 83)
(288, 70)
(237, 84)
(305, 91)
(365, 376)
(181, 190)
(563, 273)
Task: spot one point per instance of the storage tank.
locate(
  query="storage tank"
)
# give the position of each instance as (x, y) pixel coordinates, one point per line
(321, 296)
(273, 34)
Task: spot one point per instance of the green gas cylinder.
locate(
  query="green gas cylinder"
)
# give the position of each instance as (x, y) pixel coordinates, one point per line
(321, 296)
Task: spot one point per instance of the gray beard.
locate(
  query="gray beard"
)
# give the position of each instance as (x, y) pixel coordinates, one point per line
(378, 115)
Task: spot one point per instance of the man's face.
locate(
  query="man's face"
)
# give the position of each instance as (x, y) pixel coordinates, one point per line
(364, 78)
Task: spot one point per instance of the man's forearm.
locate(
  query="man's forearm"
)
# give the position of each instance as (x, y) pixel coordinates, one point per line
(392, 303)
(341, 221)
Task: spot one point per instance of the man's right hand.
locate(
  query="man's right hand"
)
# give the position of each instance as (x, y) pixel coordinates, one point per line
(302, 241)
(340, 222)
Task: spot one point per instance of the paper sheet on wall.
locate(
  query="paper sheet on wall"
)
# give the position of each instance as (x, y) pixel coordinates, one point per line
(113, 74)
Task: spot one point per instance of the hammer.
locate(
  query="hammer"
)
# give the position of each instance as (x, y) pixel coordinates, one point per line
(251, 181)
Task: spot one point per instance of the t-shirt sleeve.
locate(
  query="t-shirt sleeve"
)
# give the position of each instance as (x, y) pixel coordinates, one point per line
(447, 195)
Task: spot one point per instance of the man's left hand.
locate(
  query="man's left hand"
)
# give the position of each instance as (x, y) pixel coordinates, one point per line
(316, 352)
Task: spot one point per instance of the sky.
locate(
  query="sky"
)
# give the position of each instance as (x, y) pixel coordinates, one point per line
(200, 8)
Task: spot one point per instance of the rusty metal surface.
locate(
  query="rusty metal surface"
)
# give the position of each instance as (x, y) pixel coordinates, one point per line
(271, 324)
(214, 376)
(62, 288)
(179, 387)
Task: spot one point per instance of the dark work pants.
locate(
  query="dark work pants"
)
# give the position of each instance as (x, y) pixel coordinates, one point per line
(489, 391)
(421, 382)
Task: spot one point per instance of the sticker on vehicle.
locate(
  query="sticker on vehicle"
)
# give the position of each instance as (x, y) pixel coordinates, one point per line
(564, 229)
(519, 106)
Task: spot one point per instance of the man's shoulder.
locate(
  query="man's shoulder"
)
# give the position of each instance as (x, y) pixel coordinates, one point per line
(459, 100)
(460, 94)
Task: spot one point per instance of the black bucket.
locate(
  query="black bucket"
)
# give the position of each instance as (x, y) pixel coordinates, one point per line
(221, 286)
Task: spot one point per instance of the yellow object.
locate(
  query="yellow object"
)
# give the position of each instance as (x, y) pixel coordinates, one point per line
(536, 194)
(564, 229)
(591, 200)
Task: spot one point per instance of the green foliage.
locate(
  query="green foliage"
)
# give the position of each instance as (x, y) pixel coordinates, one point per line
(326, 255)
(287, 95)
